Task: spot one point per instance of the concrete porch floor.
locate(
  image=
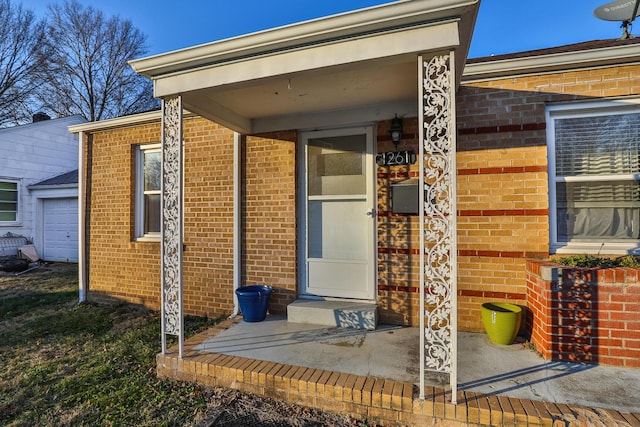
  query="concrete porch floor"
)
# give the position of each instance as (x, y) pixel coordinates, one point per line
(375, 374)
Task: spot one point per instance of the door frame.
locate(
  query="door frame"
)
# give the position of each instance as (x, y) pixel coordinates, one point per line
(370, 131)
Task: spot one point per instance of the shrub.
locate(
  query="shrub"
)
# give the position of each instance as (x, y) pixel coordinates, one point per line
(591, 261)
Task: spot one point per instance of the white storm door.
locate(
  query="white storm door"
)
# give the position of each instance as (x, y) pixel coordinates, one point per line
(340, 215)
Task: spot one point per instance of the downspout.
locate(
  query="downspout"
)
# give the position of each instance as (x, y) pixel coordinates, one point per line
(237, 219)
(83, 282)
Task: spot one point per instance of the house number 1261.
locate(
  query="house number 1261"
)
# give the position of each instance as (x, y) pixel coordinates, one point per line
(396, 158)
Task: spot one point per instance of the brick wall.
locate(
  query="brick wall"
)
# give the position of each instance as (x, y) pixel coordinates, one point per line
(118, 266)
(269, 215)
(398, 235)
(503, 204)
(208, 218)
(126, 269)
(584, 315)
(503, 207)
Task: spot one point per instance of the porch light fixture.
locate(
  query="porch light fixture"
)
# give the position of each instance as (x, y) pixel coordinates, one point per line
(396, 131)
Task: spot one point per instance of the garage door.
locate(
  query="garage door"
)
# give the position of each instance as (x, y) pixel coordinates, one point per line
(60, 230)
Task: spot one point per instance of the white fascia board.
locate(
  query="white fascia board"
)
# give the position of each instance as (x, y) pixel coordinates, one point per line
(549, 63)
(118, 122)
(122, 122)
(400, 14)
(443, 35)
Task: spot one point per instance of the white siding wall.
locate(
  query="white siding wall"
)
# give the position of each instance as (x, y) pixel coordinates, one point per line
(32, 153)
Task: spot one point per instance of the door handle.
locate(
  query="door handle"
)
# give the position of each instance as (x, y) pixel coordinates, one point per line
(371, 213)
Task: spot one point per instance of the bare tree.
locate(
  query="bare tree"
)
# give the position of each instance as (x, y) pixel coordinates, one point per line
(87, 72)
(20, 37)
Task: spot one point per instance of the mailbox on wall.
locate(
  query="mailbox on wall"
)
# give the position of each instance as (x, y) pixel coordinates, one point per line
(405, 196)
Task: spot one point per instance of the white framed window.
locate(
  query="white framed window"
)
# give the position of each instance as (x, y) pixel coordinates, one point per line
(9, 197)
(594, 177)
(148, 186)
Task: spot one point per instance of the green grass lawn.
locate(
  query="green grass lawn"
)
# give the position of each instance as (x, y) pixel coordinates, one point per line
(69, 364)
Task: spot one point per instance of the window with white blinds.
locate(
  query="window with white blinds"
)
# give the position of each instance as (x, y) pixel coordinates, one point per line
(597, 145)
(595, 175)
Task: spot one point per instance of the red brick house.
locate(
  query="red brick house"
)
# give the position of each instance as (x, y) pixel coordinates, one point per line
(280, 168)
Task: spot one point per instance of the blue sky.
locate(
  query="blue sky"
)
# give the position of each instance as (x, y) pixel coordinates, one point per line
(503, 26)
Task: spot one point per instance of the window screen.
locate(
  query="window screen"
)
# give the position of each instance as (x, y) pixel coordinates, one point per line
(596, 173)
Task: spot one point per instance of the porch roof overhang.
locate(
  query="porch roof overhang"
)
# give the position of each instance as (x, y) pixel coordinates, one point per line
(352, 67)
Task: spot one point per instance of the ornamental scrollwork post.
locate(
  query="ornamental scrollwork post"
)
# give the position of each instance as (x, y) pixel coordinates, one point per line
(172, 217)
(438, 219)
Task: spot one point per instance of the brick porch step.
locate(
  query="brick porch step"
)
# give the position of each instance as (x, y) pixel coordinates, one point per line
(344, 314)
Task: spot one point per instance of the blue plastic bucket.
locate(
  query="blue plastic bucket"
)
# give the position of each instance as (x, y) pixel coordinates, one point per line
(254, 301)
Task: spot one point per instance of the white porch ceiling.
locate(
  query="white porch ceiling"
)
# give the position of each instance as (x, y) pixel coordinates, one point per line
(354, 67)
(299, 100)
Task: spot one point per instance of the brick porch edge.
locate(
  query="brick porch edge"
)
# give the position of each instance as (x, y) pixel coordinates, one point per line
(382, 401)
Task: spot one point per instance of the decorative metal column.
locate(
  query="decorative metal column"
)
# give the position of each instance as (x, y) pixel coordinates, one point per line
(438, 253)
(172, 221)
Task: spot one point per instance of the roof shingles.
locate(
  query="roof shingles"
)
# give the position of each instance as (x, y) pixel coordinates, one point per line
(63, 179)
(575, 47)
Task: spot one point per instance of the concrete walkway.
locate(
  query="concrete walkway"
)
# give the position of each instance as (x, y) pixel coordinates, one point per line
(393, 352)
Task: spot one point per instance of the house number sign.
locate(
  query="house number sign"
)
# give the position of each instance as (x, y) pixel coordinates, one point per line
(396, 158)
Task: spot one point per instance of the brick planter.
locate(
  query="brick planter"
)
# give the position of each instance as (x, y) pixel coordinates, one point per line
(584, 314)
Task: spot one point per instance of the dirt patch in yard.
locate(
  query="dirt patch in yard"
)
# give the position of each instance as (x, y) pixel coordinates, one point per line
(228, 407)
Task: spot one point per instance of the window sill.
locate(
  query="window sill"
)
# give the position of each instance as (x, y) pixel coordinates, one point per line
(612, 248)
(148, 239)
(10, 224)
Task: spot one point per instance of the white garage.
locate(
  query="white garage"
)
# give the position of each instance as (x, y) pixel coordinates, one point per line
(60, 231)
(56, 218)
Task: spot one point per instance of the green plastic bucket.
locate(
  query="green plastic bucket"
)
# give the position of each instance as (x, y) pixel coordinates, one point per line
(501, 321)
